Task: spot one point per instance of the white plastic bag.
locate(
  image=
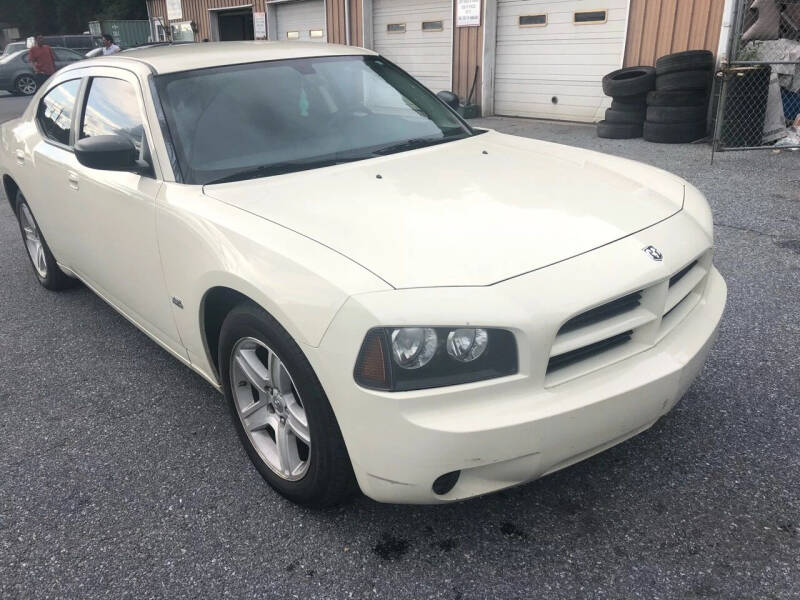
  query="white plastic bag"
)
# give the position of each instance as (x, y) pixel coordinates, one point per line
(774, 121)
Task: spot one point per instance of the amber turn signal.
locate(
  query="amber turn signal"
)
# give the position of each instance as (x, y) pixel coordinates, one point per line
(371, 370)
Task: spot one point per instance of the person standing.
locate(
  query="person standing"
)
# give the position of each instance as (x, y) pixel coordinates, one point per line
(109, 47)
(42, 58)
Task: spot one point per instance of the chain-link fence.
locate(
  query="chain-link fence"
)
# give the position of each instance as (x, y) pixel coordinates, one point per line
(759, 105)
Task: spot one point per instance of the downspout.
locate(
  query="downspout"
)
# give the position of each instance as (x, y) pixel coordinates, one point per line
(625, 39)
(347, 22)
(150, 22)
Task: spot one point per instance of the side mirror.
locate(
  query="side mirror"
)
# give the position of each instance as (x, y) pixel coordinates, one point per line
(108, 153)
(449, 98)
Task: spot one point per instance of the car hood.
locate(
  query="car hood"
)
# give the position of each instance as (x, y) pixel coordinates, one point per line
(465, 213)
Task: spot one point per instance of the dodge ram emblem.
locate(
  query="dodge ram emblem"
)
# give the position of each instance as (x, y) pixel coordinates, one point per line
(653, 252)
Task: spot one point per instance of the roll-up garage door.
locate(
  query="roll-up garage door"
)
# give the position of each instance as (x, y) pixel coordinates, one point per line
(551, 57)
(301, 20)
(417, 35)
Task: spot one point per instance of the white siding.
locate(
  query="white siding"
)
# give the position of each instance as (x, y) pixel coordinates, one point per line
(427, 55)
(301, 16)
(561, 59)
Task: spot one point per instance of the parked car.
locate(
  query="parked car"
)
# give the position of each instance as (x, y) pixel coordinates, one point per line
(13, 47)
(99, 51)
(80, 43)
(16, 72)
(385, 294)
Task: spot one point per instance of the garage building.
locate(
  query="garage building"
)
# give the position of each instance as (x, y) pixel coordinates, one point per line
(527, 58)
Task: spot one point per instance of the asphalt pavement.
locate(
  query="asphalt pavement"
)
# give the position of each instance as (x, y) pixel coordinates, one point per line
(11, 106)
(121, 475)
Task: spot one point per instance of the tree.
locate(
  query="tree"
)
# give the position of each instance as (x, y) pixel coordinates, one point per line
(66, 16)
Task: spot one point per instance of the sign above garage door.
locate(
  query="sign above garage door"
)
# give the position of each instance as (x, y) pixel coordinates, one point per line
(551, 57)
(468, 13)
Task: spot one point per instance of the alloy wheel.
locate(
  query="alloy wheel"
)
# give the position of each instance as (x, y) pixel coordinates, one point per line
(26, 85)
(270, 408)
(33, 240)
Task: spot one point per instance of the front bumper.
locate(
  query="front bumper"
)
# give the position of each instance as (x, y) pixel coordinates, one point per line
(508, 431)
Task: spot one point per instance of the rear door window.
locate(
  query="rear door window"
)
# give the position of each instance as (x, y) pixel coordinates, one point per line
(56, 110)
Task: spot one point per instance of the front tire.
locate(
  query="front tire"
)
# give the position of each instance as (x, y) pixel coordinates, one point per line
(281, 412)
(44, 264)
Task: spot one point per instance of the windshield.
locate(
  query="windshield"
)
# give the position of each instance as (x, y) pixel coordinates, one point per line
(255, 120)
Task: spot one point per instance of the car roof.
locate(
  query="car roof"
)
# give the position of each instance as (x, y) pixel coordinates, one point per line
(24, 51)
(172, 58)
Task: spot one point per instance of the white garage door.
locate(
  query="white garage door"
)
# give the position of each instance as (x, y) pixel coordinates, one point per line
(417, 35)
(302, 20)
(551, 57)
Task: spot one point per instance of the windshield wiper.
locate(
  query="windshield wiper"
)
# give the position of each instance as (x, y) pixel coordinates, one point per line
(333, 159)
(414, 143)
(288, 167)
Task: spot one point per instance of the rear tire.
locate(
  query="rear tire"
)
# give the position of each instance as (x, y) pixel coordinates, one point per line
(312, 467)
(26, 84)
(44, 265)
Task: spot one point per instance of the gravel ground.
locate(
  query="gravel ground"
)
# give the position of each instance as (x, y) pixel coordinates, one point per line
(121, 475)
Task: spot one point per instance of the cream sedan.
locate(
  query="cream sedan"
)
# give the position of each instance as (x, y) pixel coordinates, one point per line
(389, 298)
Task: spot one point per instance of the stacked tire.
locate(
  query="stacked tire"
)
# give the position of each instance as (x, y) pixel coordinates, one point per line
(678, 107)
(628, 89)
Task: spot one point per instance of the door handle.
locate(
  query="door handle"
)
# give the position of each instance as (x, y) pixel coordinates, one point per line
(72, 177)
(20, 157)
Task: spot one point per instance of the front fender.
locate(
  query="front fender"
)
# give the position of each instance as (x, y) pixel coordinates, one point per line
(205, 244)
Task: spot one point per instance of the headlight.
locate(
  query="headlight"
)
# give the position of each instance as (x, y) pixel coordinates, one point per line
(466, 345)
(413, 347)
(413, 358)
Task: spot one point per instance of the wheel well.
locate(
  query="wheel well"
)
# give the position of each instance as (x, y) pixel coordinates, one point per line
(216, 304)
(10, 187)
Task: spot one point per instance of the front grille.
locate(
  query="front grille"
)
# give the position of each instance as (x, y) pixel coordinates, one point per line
(685, 288)
(598, 330)
(623, 326)
(679, 275)
(568, 358)
(606, 311)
